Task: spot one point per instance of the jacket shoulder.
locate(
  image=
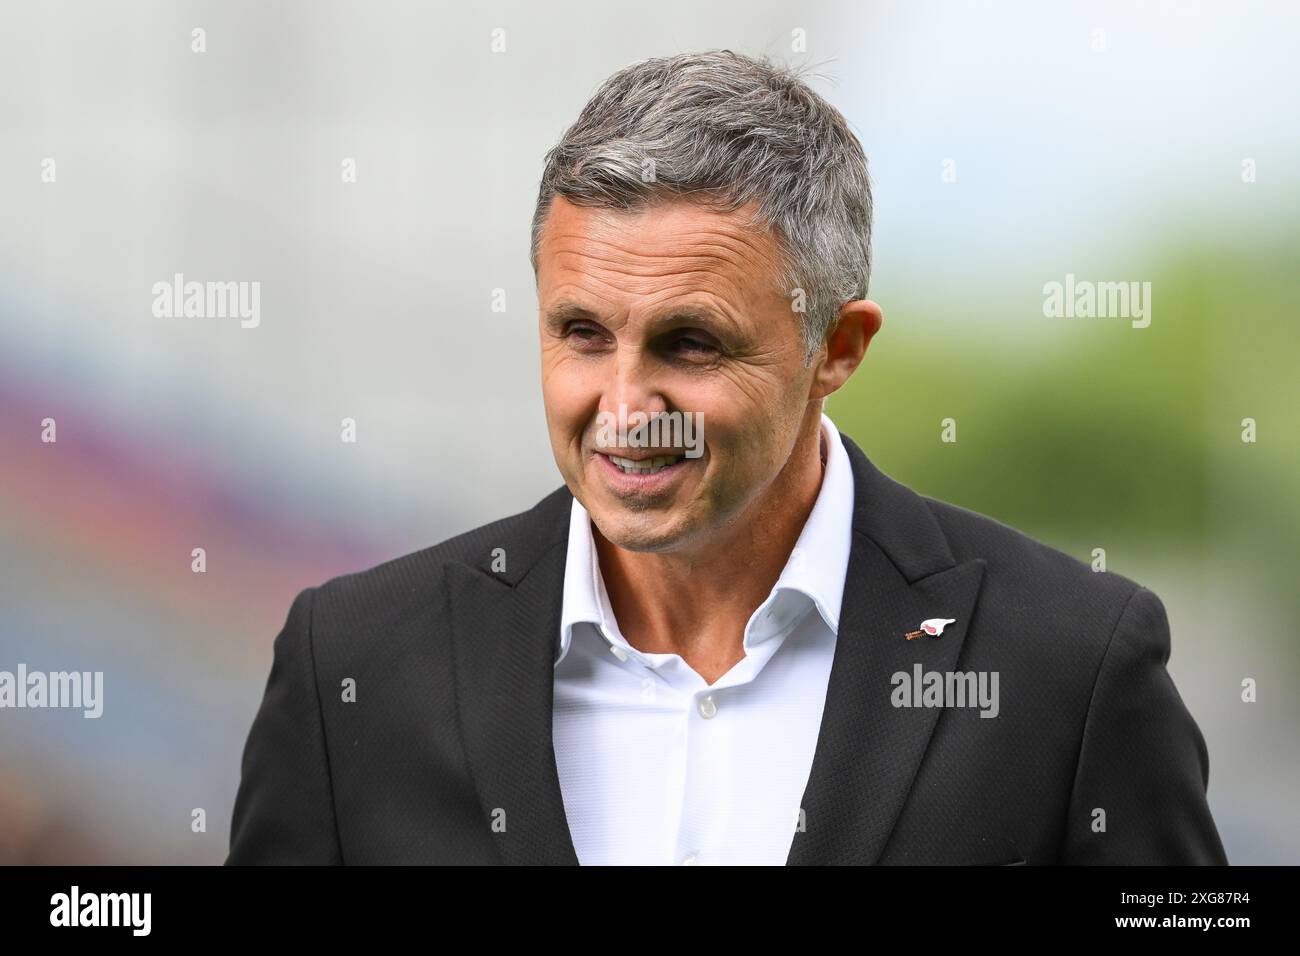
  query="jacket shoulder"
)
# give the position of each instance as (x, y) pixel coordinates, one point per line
(394, 587)
(1042, 588)
(1010, 551)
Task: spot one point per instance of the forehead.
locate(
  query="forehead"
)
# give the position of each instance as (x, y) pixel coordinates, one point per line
(669, 245)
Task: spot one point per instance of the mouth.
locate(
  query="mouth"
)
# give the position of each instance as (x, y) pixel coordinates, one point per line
(644, 466)
(636, 477)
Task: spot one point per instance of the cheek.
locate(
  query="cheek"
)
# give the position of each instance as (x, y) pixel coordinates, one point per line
(740, 419)
(752, 439)
(565, 396)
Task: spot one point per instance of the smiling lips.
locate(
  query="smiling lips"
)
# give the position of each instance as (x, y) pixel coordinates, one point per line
(644, 466)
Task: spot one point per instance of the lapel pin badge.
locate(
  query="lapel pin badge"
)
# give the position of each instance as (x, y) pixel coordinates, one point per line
(934, 627)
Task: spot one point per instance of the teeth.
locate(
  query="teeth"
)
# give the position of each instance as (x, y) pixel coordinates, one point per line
(647, 467)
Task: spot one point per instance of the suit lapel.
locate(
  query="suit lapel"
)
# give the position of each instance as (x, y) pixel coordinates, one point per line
(504, 663)
(901, 572)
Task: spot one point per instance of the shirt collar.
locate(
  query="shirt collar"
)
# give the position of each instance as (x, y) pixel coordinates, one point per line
(815, 570)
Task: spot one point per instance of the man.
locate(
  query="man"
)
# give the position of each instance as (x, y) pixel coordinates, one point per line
(737, 643)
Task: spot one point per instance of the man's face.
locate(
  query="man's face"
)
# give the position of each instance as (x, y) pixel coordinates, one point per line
(669, 308)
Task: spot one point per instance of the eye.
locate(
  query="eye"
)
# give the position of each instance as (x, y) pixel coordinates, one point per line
(693, 346)
(583, 334)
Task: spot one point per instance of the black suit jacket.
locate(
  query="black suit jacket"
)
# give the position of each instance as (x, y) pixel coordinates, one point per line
(451, 724)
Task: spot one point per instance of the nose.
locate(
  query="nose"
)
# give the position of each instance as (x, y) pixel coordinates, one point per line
(631, 383)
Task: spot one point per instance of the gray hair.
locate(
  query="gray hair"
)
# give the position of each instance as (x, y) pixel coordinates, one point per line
(726, 129)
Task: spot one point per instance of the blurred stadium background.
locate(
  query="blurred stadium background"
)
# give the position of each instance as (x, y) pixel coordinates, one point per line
(1114, 156)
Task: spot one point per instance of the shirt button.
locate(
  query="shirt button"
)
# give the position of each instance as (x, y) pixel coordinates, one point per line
(707, 707)
(691, 860)
(618, 652)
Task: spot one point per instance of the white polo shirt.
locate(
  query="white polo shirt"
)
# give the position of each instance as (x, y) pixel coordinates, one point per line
(658, 767)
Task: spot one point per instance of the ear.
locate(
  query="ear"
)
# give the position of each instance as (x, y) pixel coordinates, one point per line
(845, 346)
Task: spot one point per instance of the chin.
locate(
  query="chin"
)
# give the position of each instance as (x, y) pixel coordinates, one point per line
(636, 535)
